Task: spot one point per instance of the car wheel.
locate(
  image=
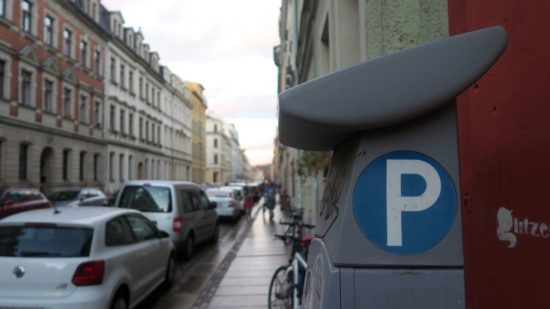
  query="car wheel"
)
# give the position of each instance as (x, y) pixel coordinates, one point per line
(189, 247)
(170, 276)
(119, 302)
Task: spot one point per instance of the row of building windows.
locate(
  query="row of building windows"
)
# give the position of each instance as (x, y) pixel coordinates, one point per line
(146, 90)
(147, 131)
(28, 21)
(134, 40)
(122, 121)
(127, 169)
(149, 169)
(27, 96)
(66, 165)
(198, 151)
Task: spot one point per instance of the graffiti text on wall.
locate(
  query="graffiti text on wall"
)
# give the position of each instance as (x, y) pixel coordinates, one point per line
(333, 190)
(509, 227)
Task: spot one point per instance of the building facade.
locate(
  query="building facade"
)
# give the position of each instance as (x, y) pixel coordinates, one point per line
(218, 151)
(237, 158)
(195, 93)
(320, 37)
(177, 119)
(51, 94)
(84, 101)
(148, 132)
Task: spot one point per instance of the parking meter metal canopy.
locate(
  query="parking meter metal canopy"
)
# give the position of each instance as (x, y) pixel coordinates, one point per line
(323, 112)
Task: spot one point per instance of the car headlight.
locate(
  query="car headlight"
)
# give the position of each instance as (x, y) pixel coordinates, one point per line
(313, 285)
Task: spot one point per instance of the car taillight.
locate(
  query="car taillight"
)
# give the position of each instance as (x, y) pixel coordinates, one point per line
(231, 204)
(176, 227)
(90, 273)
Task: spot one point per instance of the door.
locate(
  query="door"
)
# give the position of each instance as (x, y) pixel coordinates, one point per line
(207, 217)
(189, 211)
(152, 257)
(120, 239)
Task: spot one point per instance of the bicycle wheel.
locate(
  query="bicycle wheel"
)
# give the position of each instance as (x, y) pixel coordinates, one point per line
(281, 289)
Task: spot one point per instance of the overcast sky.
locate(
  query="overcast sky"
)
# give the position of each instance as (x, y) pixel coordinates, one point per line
(227, 46)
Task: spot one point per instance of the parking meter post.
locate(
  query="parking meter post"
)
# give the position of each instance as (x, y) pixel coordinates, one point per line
(389, 223)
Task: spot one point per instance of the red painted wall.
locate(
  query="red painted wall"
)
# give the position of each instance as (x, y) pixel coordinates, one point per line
(504, 137)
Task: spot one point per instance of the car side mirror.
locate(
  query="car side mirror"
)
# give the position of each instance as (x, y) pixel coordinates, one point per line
(163, 234)
(212, 205)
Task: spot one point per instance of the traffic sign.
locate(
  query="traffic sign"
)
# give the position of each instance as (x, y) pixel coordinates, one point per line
(405, 202)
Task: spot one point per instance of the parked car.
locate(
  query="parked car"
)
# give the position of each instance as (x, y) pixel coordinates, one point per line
(15, 200)
(227, 204)
(78, 197)
(92, 257)
(255, 187)
(180, 208)
(238, 194)
(257, 190)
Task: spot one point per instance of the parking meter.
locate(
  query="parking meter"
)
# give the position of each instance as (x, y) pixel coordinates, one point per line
(389, 232)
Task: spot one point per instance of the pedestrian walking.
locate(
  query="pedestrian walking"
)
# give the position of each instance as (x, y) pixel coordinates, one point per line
(248, 203)
(270, 194)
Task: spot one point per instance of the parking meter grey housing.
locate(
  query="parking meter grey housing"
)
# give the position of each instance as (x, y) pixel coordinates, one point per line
(389, 226)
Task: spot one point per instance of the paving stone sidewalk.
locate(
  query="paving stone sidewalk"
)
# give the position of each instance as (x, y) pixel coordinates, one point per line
(246, 281)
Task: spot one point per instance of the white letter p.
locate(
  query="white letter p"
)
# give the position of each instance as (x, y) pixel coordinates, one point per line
(396, 203)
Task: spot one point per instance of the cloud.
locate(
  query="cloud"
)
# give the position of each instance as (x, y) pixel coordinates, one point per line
(244, 106)
(227, 46)
(257, 137)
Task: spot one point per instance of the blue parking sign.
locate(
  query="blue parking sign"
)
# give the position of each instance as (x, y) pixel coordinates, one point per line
(405, 202)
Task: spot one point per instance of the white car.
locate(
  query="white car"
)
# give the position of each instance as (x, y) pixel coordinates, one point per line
(227, 204)
(92, 257)
(179, 208)
(238, 194)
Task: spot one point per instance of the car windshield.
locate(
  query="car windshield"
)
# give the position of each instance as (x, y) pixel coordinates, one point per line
(146, 198)
(62, 196)
(21, 196)
(44, 241)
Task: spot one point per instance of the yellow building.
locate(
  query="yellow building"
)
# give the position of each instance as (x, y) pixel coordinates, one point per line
(198, 139)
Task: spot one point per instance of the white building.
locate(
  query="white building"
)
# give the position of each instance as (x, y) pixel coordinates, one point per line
(146, 116)
(176, 132)
(218, 151)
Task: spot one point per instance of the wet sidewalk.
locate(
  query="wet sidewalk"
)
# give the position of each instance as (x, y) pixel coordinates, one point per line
(246, 282)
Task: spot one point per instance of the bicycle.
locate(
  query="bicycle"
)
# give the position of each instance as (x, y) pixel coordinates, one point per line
(294, 228)
(285, 289)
